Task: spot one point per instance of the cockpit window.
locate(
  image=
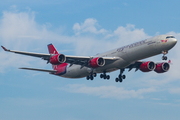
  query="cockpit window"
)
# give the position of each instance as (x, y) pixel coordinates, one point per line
(170, 37)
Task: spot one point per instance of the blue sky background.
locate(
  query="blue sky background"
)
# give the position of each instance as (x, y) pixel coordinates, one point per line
(84, 27)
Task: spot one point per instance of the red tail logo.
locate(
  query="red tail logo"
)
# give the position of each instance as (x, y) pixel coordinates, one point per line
(52, 49)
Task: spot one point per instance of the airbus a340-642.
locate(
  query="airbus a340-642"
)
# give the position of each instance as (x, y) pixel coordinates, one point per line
(128, 56)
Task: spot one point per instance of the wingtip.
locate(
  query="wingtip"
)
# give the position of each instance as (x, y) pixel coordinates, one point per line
(4, 48)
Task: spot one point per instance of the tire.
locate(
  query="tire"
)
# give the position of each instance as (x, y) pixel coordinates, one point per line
(120, 80)
(101, 76)
(163, 57)
(92, 77)
(124, 77)
(108, 77)
(116, 79)
(95, 74)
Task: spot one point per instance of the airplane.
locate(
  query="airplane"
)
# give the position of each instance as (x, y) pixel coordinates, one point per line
(126, 57)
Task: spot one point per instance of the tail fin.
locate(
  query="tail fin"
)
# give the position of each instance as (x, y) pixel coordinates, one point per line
(52, 49)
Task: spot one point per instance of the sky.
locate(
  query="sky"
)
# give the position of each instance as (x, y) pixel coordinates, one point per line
(84, 27)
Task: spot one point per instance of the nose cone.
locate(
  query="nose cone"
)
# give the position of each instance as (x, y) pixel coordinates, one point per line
(175, 41)
(172, 42)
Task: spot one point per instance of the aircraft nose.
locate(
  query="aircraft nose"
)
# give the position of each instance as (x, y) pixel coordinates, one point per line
(174, 41)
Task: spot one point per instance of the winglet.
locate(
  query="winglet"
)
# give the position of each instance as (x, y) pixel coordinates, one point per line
(4, 48)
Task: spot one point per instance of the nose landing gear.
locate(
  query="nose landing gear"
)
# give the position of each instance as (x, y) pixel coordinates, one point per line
(164, 53)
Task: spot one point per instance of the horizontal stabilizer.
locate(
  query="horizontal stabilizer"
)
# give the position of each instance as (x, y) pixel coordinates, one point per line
(42, 70)
(4, 48)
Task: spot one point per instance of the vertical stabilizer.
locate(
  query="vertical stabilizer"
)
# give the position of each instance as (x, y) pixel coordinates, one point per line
(52, 49)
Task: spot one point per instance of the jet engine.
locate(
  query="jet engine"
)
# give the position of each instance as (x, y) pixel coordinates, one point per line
(57, 59)
(97, 62)
(162, 67)
(147, 66)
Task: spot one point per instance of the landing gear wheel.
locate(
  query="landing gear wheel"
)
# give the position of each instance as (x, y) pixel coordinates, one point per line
(116, 79)
(164, 53)
(164, 57)
(120, 77)
(101, 76)
(105, 76)
(108, 77)
(120, 80)
(91, 77)
(124, 77)
(95, 74)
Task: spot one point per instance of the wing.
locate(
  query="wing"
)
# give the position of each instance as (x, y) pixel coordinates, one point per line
(78, 60)
(40, 55)
(84, 60)
(135, 65)
(43, 70)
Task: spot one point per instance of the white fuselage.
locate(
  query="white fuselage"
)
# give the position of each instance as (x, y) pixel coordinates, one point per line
(126, 54)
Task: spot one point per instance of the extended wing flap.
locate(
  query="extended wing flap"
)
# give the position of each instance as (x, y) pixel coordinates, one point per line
(135, 65)
(83, 60)
(42, 70)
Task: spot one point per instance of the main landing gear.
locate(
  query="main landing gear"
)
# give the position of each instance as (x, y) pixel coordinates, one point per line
(164, 53)
(105, 76)
(91, 77)
(120, 77)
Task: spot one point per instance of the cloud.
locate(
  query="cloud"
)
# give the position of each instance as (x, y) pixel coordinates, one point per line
(108, 91)
(21, 27)
(128, 34)
(174, 90)
(24, 101)
(89, 26)
(19, 30)
(14, 25)
(93, 44)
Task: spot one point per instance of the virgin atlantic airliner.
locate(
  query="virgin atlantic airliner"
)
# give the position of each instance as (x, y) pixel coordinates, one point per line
(126, 57)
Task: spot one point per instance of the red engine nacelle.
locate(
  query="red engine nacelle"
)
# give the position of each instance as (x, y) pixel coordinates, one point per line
(147, 66)
(162, 67)
(57, 59)
(97, 62)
